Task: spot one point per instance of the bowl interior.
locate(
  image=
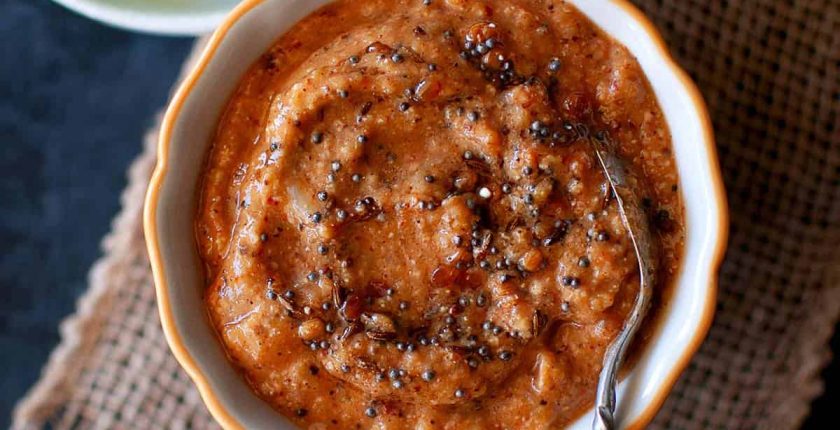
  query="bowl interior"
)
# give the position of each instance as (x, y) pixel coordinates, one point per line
(194, 113)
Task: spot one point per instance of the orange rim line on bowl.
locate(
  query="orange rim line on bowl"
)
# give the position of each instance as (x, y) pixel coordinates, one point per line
(173, 337)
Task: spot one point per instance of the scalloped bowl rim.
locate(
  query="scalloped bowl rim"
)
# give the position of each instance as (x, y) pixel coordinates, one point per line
(190, 121)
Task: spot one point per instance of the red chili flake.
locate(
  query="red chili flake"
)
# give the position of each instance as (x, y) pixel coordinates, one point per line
(352, 308)
(444, 276)
(473, 279)
(481, 32)
(378, 47)
(378, 288)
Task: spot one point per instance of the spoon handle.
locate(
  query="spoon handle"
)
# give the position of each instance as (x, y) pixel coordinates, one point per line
(635, 223)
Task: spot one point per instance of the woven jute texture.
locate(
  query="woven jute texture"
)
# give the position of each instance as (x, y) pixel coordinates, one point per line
(770, 72)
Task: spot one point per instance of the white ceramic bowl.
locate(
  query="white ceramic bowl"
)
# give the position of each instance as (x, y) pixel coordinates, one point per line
(190, 123)
(171, 17)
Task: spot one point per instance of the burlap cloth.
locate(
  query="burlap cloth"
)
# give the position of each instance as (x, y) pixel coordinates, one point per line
(770, 72)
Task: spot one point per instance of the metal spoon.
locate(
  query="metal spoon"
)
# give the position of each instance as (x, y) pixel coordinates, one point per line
(635, 223)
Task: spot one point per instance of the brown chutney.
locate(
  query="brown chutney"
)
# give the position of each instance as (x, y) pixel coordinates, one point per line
(403, 223)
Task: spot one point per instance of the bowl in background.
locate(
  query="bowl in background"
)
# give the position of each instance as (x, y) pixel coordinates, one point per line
(170, 17)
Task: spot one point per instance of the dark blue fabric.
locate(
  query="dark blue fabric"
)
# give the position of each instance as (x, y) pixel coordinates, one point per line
(75, 100)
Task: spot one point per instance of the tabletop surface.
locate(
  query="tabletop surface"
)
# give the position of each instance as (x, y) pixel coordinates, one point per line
(75, 101)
